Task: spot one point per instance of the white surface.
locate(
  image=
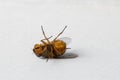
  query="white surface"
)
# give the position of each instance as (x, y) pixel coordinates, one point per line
(94, 27)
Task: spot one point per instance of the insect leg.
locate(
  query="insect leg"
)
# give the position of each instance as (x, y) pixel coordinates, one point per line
(68, 48)
(48, 38)
(51, 52)
(45, 39)
(43, 42)
(60, 33)
(57, 51)
(47, 59)
(50, 56)
(45, 35)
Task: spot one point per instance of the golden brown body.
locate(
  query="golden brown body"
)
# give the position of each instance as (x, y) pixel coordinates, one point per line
(49, 49)
(55, 49)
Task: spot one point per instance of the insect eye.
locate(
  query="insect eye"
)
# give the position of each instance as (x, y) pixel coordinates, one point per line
(37, 48)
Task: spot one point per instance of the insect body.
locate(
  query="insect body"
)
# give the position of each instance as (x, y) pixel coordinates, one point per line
(50, 49)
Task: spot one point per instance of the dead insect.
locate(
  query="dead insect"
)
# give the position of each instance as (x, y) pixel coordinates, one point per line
(51, 49)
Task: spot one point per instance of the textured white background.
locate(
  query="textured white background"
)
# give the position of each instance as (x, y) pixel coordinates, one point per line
(93, 25)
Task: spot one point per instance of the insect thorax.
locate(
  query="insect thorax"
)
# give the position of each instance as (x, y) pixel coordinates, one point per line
(49, 47)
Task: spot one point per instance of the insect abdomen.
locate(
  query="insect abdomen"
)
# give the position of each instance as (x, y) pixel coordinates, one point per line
(59, 47)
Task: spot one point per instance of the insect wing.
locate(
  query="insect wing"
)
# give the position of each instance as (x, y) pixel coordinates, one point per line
(67, 40)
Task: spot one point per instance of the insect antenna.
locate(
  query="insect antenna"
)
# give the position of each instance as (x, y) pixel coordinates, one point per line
(45, 35)
(60, 33)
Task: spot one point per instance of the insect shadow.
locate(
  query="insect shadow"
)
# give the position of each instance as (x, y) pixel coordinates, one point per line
(66, 56)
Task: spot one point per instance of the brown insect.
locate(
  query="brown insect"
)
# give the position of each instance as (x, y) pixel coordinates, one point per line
(51, 49)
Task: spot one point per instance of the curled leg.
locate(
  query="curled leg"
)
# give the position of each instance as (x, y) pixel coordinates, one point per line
(48, 38)
(45, 39)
